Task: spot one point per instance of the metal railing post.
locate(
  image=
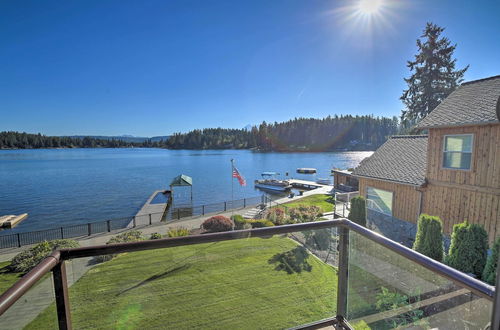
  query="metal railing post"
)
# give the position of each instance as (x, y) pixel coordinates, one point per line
(244, 202)
(18, 240)
(225, 206)
(150, 220)
(62, 296)
(134, 222)
(203, 210)
(89, 228)
(62, 233)
(178, 214)
(108, 224)
(343, 272)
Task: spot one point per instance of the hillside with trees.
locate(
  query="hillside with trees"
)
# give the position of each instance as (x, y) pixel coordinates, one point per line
(299, 134)
(17, 140)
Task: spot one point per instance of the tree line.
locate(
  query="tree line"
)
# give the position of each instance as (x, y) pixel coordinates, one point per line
(17, 140)
(300, 134)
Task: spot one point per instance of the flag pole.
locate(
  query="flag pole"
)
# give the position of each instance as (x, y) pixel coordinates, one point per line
(232, 186)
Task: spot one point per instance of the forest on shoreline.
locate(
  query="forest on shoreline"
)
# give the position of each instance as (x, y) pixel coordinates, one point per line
(333, 133)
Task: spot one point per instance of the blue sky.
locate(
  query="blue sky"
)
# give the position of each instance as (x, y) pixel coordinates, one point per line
(156, 67)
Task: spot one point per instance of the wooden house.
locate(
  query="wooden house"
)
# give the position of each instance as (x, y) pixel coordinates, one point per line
(452, 172)
(343, 180)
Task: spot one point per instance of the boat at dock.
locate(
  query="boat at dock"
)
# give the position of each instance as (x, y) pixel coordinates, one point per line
(306, 170)
(9, 221)
(270, 182)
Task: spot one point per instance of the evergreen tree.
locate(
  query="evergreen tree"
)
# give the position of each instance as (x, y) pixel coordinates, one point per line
(490, 270)
(433, 75)
(429, 239)
(357, 213)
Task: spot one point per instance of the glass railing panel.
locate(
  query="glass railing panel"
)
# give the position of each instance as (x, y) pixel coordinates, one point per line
(387, 290)
(38, 299)
(273, 283)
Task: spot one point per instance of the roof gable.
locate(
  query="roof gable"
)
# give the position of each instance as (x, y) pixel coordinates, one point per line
(473, 102)
(400, 159)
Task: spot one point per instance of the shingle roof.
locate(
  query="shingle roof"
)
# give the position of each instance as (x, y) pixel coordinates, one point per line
(473, 102)
(400, 159)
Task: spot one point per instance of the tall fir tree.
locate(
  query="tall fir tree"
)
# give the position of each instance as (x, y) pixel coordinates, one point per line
(433, 75)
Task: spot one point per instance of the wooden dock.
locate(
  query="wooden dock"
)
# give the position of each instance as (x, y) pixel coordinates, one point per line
(9, 221)
(150, 213)
(304, 184)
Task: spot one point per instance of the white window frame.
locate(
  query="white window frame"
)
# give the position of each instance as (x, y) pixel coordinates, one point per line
(471, 152)
(369, 201)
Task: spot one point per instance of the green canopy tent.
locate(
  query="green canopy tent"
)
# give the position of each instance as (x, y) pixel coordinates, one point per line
(182, 181)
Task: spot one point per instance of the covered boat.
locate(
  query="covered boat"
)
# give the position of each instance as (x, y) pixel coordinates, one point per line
(270, 182)
(306, 170)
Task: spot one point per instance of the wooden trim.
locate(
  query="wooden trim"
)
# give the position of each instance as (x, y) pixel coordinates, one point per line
(480, 189)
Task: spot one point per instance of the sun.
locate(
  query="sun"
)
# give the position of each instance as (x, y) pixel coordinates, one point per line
(369, 7)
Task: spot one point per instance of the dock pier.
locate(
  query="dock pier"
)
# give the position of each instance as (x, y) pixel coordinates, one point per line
(151, 212)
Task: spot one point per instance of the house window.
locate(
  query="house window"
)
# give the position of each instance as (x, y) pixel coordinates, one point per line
(457, 151)
(379, 200)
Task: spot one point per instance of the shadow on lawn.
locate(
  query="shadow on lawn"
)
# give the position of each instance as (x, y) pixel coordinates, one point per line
(293, 261)
(156, 277)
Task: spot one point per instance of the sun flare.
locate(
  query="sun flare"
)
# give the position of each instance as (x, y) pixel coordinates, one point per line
(369, 7)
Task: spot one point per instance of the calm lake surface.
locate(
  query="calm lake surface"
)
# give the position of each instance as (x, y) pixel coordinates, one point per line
(59, 187)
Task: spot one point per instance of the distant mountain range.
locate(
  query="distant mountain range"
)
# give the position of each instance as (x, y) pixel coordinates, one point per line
(125, 138)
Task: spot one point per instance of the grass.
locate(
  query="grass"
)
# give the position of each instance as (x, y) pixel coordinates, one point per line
(325, 202)
(229, 285)
(7, 278)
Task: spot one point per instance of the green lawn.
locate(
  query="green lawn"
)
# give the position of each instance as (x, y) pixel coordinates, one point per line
(323, 201)
(226, 285)
(7, 279)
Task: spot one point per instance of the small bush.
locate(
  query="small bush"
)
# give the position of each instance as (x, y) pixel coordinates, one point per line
(26, 260)
(490, 270)
(304, 213)
(239, 221)
(155, 236)
(388, 300)
(429, 238)
(260, 223)
(357, 213)
(278, 216)
(178, 232)
(130, 236)
(217, 223)
(468, 249)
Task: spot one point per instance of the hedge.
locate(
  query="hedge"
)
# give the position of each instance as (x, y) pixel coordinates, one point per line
(490, 270)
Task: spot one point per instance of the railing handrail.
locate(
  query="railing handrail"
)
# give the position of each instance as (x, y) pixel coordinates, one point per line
(27, 281)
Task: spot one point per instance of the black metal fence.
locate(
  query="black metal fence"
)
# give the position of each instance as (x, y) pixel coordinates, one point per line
(90, 228)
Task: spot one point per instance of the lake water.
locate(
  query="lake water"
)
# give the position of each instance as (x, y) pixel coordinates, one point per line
(59, 187)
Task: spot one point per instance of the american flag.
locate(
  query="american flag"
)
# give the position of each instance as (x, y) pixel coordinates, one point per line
(238, 176)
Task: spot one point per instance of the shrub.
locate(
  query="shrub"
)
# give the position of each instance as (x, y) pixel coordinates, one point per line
(490, 270)
(468, 249)
(239, 221)
(388, 300)
(260, 223)
(304, 213)
(155, 236)
(278, 216)
(129, 236)
(429, 238)
(26, 260)
(357, 213)
(217, 223)
(178, 232)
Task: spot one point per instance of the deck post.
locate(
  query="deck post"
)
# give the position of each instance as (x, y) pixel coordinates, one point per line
(343, 272)
(108, 223)
(62, 296)
(89, 229)
(18, 240)
(150, 220)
